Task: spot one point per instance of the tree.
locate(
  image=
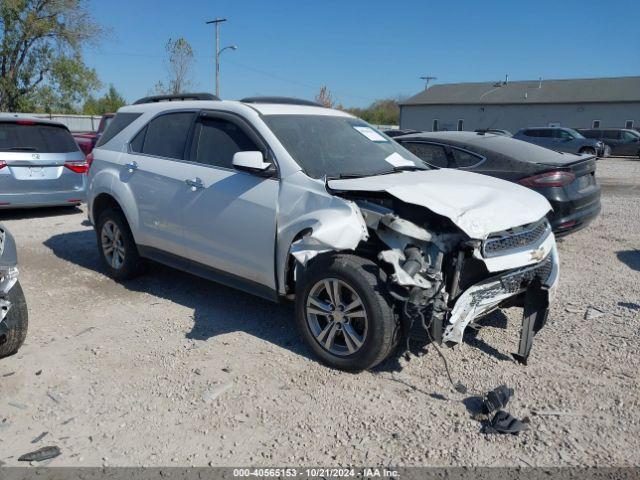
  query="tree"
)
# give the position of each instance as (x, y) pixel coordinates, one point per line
(324, 97)
(380, 112)
(41, 64)
(180, 60)
(109, 102)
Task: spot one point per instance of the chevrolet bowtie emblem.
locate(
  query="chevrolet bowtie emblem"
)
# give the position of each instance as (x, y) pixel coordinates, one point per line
(537, 254)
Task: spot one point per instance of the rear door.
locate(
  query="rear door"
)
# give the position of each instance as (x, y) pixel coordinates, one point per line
(613, 138)
(40, 158)
(154, 169)
(229, 216)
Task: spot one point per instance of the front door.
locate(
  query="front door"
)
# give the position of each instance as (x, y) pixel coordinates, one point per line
(229, 216)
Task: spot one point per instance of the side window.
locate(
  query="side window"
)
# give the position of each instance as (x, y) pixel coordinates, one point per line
(464, 159)
(611, 134)
(629, 137)
(532, 133)
(138, 141)
(166, 135)
(217, 140)
(116, 125)
(434, 155)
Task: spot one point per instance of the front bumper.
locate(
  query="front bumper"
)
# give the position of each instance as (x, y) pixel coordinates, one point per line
(536, 282)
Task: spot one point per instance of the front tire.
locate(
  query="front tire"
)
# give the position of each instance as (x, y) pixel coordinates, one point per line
(588, 151)
(117, 247)
(344, 312)
(13, 329)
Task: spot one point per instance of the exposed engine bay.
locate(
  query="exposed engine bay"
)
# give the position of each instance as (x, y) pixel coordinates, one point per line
(444, 279)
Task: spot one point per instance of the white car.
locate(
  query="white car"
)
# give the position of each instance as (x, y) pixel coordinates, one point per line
(285, 199)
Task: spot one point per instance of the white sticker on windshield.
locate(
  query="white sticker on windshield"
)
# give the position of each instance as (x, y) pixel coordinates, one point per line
(398, 160)
(371, 134)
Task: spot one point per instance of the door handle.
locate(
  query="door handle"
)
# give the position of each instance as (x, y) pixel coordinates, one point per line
(195, 184)
(131, 167)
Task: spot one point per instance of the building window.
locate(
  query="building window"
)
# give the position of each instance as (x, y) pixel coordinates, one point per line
(460, 125)
(434, 128)
(596, 124)
(628, 124)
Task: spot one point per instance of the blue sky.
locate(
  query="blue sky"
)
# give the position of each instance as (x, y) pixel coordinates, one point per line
(365, 50)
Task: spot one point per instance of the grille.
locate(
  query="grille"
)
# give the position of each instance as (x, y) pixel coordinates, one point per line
(498, 244)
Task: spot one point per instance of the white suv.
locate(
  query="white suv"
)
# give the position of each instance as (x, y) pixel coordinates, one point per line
(285, 199)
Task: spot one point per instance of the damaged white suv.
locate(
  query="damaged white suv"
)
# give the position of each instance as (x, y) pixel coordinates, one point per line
(283, 198)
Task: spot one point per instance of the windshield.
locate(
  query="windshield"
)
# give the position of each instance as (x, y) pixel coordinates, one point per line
(574, 133)
(339, 146)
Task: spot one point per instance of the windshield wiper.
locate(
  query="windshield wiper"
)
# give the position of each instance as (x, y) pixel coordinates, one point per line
(21, 149)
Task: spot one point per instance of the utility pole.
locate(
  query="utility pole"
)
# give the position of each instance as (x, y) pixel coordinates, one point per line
(217, 23)
(427, 79)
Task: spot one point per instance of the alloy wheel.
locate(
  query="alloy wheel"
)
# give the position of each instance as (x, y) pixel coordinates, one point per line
(336, 317)
(112, 244)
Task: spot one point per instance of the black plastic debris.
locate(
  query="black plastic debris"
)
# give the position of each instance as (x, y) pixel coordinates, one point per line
(497, 399)
(39, 437)
(504, 422)
(44, 453)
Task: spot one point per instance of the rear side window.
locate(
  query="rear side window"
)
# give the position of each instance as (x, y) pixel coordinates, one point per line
(611, 134)
(216, 141)
(434, 155)
(590, 133)
(166, 135)
(116, 125)
(36, 137)
(532, 133)
(464, 159)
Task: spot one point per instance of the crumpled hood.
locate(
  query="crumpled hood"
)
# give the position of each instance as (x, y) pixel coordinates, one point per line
(477, 204)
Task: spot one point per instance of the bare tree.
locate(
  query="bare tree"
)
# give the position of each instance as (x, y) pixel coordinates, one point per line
(180, 60)
(324, 97)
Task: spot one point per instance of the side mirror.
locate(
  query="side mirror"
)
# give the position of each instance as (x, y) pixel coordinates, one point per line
(252, 162)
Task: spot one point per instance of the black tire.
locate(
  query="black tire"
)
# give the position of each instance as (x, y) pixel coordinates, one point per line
(588, 150)
(13, 329)
(132, 265)
(369, 282)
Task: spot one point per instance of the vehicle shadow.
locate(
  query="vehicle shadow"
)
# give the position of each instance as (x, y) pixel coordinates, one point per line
(631, 258)
(217, 309)
(44, 212)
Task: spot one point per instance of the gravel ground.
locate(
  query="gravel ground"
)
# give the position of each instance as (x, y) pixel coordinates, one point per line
(173, 370)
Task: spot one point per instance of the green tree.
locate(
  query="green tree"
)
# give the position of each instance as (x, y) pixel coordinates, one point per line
(41, 64)
(109, 102)
(180, 61)
(380, 112)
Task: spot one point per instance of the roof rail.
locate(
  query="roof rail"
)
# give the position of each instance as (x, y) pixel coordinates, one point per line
(176, 98)
(281, 100)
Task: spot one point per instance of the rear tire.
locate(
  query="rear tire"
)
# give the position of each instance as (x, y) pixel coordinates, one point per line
(13, 329)
(117, 247)
(345, 336)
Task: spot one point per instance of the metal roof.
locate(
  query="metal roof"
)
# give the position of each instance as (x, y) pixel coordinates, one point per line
(583, 90)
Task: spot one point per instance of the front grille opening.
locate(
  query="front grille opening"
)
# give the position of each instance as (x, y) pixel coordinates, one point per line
(515, 239)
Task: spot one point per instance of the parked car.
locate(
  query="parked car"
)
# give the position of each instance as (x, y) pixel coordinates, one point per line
(286, 199)
(397, 133)
(621, 141)
(561, 139)
(13, 307)
(496, 131)
(567, 181)
(40, 164)
(87, 140)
